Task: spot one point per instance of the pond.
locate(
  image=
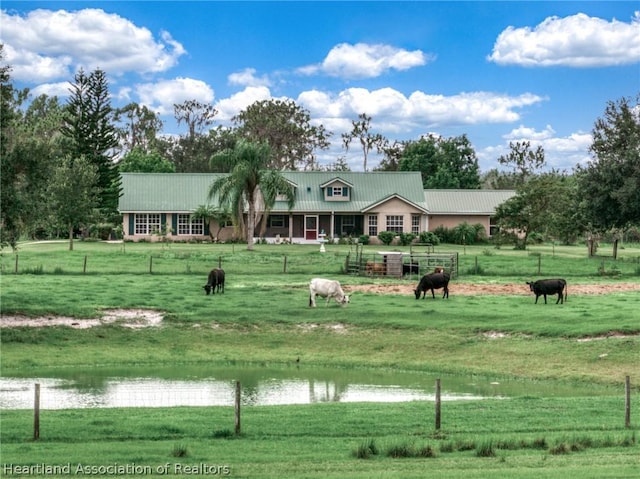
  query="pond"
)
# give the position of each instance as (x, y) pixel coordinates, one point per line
(261, 385)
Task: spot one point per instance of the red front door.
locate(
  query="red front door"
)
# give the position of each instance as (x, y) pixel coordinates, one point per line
(310, 227)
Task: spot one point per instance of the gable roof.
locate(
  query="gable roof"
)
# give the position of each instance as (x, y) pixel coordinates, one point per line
(165, 192)
(184, 192)
(368, 189)
(465, 202)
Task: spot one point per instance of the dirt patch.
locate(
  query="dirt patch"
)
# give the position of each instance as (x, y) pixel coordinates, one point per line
(127, 318)
(469, 289)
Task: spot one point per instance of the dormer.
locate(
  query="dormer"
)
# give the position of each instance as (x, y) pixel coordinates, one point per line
(281, 196)
(337, 189)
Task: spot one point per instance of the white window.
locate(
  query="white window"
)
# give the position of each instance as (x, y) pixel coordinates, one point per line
(188, 225)
(146, 223)
(415, 224)
(395, 223)
(338, 192)
(373, 225)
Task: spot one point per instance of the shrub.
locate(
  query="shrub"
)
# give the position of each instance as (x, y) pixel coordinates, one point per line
(180, 450)
(406, 238)
(386, 237)
(429, 237)
(401, 450)
(485, 450)
(363, 239)
(366, 450)
(426, 451)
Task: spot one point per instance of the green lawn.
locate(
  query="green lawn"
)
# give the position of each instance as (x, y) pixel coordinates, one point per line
(264, 318)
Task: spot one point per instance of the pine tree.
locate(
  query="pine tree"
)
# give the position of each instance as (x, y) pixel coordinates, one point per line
(89, 125)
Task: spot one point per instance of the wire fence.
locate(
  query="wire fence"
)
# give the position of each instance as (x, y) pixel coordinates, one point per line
(150, 393)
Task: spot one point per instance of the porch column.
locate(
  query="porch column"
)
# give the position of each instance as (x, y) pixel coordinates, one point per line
(290, 227)
(332, 225)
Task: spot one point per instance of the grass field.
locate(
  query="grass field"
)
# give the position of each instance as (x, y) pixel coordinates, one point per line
(264, 318)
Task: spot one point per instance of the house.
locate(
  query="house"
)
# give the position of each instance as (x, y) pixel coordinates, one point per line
(449, 208)
(328, 204)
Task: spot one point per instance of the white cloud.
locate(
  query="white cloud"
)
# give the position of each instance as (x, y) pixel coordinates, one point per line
(387, 105)
(247, 77)
(364, 60)
(574, 41)
(530, 133)
(61, 90)
(562, 153)
(161, 96)
(229, 107)
(47, 45)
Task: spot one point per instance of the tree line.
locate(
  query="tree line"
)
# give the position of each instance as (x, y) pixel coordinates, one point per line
(61, 163)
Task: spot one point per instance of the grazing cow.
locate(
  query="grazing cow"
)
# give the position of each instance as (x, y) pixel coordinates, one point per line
(326, 288)
(438, 269)
(410, 268)
(215, 282)
(372, 268)
(544, 287)
(433, 281)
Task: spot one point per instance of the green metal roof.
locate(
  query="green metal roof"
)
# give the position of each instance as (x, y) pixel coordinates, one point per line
(184, 192)
(165, 192)
(368, 188)
(465, 202)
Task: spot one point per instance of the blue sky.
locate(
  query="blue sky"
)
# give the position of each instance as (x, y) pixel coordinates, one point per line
(495, 71)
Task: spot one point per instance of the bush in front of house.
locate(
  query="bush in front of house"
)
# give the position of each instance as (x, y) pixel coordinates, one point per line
(406, 238)
(363, 239)
(429, 237)
(386, 237)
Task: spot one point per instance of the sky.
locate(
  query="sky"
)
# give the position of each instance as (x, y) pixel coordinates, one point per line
(497, 72)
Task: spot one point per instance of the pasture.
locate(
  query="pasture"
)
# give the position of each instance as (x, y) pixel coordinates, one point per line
(263, 317)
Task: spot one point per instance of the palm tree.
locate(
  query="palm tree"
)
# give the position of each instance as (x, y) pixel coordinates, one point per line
(250, 183)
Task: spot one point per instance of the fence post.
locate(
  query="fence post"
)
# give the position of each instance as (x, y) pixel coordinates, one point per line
(220, 262)
(285, 264)
(539, 261)
(150, 264)
(627, 402)
(476, 267)
(16, 267)
(84, 266)
(36, 414)
(237, 407)
(438, 404)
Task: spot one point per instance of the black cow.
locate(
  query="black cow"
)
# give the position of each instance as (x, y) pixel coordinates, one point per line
(215, 281)
(433, 281)
(544, 287)
(410, 268)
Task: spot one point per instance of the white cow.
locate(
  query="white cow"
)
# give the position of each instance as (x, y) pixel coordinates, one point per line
(326, 288)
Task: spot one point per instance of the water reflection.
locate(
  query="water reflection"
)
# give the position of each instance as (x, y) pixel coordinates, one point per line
(197, 386)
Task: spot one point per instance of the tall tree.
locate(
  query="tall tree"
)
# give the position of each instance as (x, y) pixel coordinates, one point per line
(286, 127)
(392, 156)
(523, 160)
(250, 182)
(361, 131)
(191, 152)
(539, 200)
(609, 186)
(495, 179)
(139, 127)
(10, 210)
(73, 195)
(29, 141)
(88, 124)
(443, 162)
(137, 161)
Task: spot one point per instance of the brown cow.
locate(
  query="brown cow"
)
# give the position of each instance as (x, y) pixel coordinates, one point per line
(372, 268)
